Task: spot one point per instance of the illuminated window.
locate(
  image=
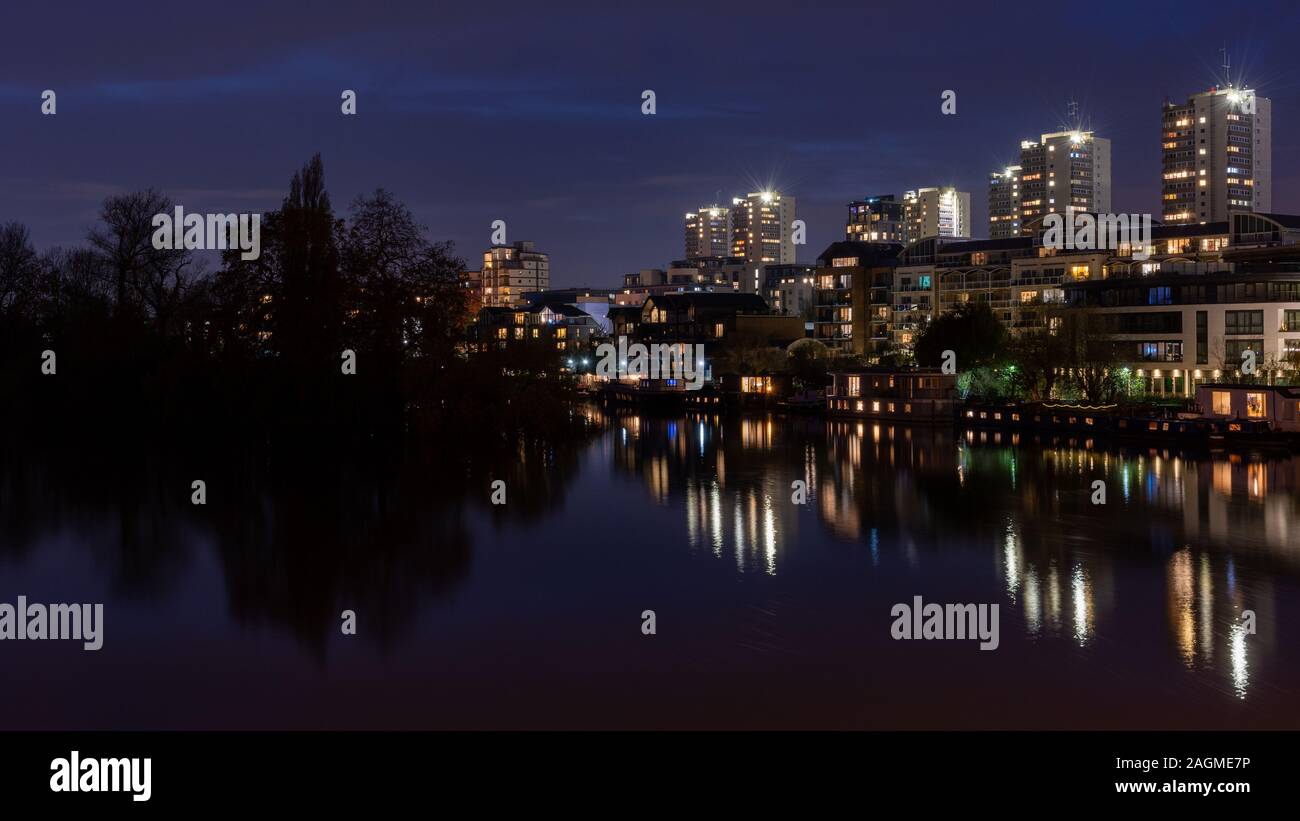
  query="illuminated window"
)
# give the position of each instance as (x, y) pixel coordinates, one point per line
(1079, 271)
(1222, 402)
(855, 386)
(1255, 405)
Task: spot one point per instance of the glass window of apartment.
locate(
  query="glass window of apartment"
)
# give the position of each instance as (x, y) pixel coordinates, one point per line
(923, 281)
(1148, 350)
(1079, 271)
(1173, 352)
(719, 329)
(1202, 338)
(855, 386)
(1284, 291)
(1255, 405)
(1243, 322)
(1291, 320)
(1159, 296)
(1234, 348)
(1221, 402)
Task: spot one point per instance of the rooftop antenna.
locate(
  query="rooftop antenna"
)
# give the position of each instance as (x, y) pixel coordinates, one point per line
(1227, 65)
(1072, 111)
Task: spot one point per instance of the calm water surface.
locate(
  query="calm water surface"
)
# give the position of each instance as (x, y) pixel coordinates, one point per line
(769, 614)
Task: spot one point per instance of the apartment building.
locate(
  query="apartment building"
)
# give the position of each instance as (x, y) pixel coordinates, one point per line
(791, 289)
(1217, 156)
(1004, 203)
(1189, 318)
(708, 232)
(851, 302)
(511, 270)
(936, 212)
(876, 219)
(1023, 282)
(1064, 168)
(762, 228)
(564, 327)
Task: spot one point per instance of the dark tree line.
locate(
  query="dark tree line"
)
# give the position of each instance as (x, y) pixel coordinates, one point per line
(145, 338)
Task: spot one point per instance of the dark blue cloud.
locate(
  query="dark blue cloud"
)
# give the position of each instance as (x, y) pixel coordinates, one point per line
(531, 113)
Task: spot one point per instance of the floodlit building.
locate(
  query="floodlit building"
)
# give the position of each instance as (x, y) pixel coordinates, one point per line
(936, 212)
(1004, 203)
(762, 228)
(708, 232)
(1065, 168)
(1217, 156)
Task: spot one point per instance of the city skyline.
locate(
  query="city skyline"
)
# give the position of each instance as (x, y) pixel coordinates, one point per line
(466, 144)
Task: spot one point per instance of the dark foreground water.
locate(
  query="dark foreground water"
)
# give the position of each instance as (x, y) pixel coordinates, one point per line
(768, 614)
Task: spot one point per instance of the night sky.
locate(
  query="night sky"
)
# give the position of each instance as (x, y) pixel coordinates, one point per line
(532, 114)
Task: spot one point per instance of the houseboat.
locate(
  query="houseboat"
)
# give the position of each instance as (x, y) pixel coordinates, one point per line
(658, 393)
(921, 395)
(1052, 416)
(1259, 415)
(1277, 405)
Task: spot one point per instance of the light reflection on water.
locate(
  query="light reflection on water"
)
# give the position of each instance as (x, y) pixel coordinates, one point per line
(1058, 554)
(772, 613)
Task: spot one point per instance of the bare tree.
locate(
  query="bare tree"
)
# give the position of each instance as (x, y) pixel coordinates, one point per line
(20, 269)
(142, 276)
